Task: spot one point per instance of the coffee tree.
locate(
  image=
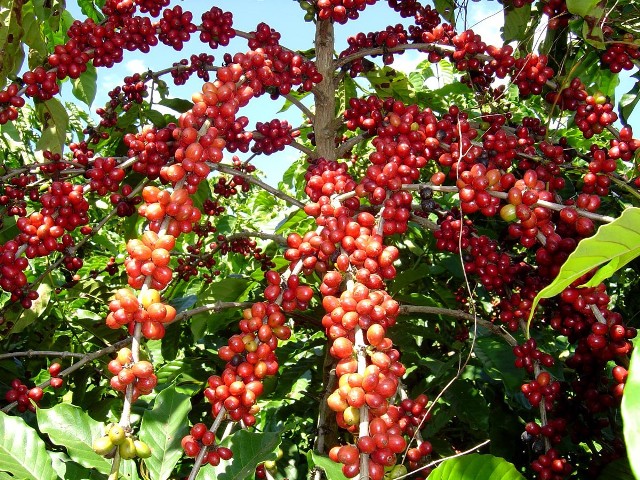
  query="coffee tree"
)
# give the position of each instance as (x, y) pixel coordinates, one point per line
(420, 295)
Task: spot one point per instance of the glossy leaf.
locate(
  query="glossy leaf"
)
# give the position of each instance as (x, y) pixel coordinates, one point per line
(497, 361)
(162, 429)
(628, 102)
(10, 36)
(612, 247)
(447, 9)
(88, 8)
(515, 23)
(618, 469)
(55, 121)
(71, 427)
(476, 467)
(28, 316)
(631, 413)
(332, 470)
(178, 104)
(22, 451)
(86, 86)
(582, 7)
(249, 450)
(67, 468)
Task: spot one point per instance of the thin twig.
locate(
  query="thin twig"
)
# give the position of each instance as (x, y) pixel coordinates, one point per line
(210, 307)
(439, 461)
(41, 353)
(203, 451)
(87, 358)
(506, 336)
(300, 105)
(250, 178)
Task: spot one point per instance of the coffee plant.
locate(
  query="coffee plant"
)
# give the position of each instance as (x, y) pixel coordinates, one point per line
(443, 285)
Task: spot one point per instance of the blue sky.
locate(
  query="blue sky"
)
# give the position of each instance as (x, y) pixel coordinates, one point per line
(286, 17)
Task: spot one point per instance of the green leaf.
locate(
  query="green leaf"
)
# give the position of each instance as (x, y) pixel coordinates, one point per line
(11, 32)
(497, 361)
(346, 91)
(582, 7)
(249, 450)
(515, 23)
(156, 118)
(332, 470)
(618, 469)
(67, 468)
(178, 104)
(33, 36)
(628, 102)
(88, 8)
(22, 451)
(37, 308)
(54, 120)
(446, 8)
(71, 427)
(613, 246)
(389, 82)
(86, 85)
(630, 409)
(162, 428)
(476, 467)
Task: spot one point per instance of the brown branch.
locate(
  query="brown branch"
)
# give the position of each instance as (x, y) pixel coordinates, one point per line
(506, 336)
(210, 307)
(85, 359)
(300, 105)
(41, 353)
(306, 150)
(203, 450)
(503, 195)
(350, 143)
(440, 460)
(250, 178)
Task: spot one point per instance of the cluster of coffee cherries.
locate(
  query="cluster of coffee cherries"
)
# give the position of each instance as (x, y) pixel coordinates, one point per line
(595, 115)
(28, 398)
(200, 437)
(105, 175)
(177, 206)
(42, 84)
(124, 202)
(341, 10)
(150, 257)
(117, 439)
(152, 149)
(64, 208)
(126, 372)
(127, 310)
(217, 27)
(273, 136)
(176, 27)
(543, 387)
(391, 37)
(10, 102)
(280, 68)
(12, 277)
(528, 353)
(620, 56)
(198, 64)
(250, 357)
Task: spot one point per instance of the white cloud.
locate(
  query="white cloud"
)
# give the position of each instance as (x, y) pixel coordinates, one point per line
(408, 61)
(136, 66)
(487, 23)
